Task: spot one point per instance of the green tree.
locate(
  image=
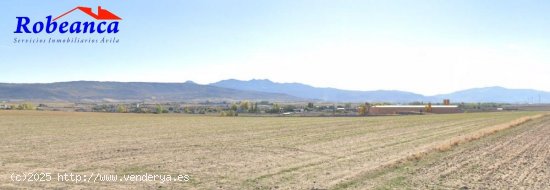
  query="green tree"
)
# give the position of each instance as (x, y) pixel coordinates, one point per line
(253, 107)
(229, 113)
(26, 106)
(121, 109)
(159, 109)
(289, 108)
(275, 108)
(234, 107)
(186, 110)
(362, 110)
(347, 106)
(245, 106)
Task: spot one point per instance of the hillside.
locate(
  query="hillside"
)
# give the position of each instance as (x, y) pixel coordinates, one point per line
(93, 91)
(324, 94)
(498, 94)
(129, 91)
(489, 94)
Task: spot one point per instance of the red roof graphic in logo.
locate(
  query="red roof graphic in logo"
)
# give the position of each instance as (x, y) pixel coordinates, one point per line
(102, 14)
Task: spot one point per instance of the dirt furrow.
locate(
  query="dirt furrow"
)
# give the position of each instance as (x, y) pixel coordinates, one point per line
(516, 159)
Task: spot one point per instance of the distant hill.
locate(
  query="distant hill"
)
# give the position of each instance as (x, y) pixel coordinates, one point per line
(324, 94)
(130, 91)
(254, 90)
(498, 94)
(489, 94)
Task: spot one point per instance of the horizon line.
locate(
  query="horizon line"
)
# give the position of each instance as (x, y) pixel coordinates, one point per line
(210, 84)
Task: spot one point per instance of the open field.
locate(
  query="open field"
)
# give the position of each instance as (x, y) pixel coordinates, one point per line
(243, 152)
(518, 158)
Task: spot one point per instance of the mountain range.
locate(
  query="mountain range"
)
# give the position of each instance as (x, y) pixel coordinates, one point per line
(488, 94)
(93, 91)
(322, 94)
(254, 90)
(499, 94)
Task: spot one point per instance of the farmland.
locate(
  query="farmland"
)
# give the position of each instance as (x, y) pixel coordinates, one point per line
(518, 158)
(267, 152)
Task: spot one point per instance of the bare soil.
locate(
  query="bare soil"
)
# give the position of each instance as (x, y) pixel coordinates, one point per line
(520, 160)
(245, 152)
(517, 158)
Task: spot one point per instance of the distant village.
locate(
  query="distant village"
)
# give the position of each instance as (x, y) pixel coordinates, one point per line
(259, 108)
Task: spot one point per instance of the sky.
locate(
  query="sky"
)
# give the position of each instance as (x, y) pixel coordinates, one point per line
(427, 47)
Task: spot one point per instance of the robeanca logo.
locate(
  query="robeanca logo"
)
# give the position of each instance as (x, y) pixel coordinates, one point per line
(50, 26)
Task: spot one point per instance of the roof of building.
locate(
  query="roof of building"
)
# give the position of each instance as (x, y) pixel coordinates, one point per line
(102, 14)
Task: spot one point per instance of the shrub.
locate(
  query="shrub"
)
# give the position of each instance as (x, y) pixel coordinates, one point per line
(26, 106)
(229, 113)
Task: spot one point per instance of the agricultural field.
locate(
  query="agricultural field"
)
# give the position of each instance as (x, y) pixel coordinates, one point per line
(275, 152)
(518, 158)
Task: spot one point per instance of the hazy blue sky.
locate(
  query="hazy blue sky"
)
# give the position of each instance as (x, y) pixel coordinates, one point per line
(422, 46)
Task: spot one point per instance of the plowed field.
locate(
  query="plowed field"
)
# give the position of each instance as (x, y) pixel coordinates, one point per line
(517, 158)
(271, 152)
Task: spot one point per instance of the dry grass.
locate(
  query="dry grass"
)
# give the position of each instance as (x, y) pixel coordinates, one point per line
(517, 158)
(484, 132)
(455, 141)
(227, 153)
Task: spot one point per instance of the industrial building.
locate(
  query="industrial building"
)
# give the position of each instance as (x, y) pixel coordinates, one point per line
(414, 109)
